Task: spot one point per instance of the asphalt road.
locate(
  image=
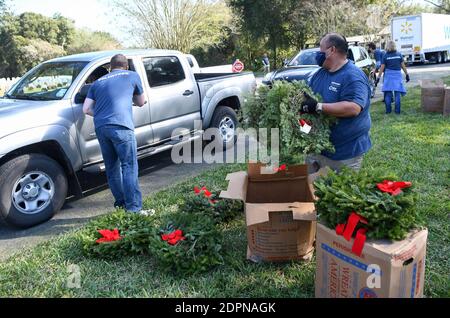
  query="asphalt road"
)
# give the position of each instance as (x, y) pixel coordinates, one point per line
(156, 173)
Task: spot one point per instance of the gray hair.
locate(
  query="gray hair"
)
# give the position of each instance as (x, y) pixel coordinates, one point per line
(391, 46)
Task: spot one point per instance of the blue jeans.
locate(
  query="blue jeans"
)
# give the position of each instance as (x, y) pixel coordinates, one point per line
(119, 150)
(388, 97)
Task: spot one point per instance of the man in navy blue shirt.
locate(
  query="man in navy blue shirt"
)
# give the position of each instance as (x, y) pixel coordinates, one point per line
(110, 100)
(377, 53)
(346, 95)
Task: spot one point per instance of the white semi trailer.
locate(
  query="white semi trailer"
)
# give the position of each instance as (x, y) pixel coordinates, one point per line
(422, 38)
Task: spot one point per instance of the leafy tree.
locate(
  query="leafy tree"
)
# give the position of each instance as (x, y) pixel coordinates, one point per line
(31, 52)
(31, 38)
(88, 41)
(178, 24)
(269, 23)
(2, 6)
(66, 30)
(37, 26)
(440, 6)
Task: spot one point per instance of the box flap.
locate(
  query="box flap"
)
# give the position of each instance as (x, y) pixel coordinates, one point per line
(256, 213)
(237, 186)
(305, 211)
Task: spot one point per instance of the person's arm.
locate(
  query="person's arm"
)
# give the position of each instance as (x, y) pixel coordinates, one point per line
(406, 71)
(139, 100)
(88, 106)
(341, 109)
(138, 94)
(382, 69)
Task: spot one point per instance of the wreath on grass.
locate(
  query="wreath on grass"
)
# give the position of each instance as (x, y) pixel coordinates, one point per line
(187, 244)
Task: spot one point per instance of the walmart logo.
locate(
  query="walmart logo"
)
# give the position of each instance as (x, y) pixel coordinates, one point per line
(406, 27)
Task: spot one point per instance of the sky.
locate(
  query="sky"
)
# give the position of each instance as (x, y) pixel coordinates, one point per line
(93, 14)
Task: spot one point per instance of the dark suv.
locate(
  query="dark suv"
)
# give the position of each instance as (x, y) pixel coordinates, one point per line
(304, 65)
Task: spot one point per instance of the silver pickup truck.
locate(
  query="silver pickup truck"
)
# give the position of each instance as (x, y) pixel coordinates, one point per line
(46, 141)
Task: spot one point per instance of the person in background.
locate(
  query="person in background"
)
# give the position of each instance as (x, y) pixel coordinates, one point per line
(346, 95)
(392, 66)
(266, 63)
(377, 54)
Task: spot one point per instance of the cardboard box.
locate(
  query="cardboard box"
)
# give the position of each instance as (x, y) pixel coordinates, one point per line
(447, 102)
(433, 94)
(342, 274)
(279, 210)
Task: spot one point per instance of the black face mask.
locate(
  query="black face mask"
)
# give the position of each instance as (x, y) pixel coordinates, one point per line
(320, 58)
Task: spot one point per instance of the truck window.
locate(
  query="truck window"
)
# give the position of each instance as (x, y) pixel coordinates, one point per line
(356, 55)
(363, 54)
(103, 70)
(48, 81)
(163, 70)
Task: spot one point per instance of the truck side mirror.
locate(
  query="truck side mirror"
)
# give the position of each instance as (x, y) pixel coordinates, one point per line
(81, 95)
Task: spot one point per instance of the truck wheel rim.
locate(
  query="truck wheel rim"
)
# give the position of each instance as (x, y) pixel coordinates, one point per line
(227, 129)
(33, 192)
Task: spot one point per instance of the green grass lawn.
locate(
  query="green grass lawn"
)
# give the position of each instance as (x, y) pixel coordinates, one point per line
(414, 145)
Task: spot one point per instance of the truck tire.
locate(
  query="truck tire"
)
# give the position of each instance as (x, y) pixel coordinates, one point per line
(438, 58)
(225, 119)
(33, 188)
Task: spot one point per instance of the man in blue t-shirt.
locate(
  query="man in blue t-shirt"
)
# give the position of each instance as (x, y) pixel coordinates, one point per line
(110, 100)
(377, 54)
(346, 95)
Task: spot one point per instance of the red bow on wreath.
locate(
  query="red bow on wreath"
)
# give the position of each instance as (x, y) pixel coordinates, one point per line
(283, 167)
(303, 122)
(206, 193)
(346, 230)
(305, 126)
(109, 236)
(174, 237)
(393, 187)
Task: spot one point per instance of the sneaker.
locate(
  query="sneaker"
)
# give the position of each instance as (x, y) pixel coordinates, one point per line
(148, 212)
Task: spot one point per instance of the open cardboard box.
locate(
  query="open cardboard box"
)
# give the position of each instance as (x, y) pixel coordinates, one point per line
(279, 210)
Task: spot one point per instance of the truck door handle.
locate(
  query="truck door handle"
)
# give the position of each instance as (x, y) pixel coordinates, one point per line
(187, 93)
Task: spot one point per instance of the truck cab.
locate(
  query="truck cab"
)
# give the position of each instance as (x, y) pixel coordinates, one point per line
(46, 140)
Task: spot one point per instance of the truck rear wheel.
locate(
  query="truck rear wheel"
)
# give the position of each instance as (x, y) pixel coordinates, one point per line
(225, 120)
(32, 189)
